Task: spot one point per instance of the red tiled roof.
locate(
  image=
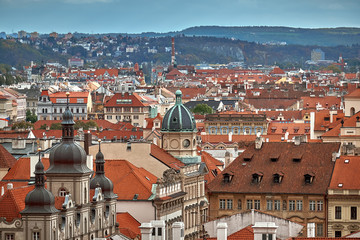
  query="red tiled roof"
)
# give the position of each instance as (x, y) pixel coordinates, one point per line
(135, 100)
(243, 234)
(21, 169)
(101, 123)
(346, 172)
(211, 164)
(13, 202)
(128, 225)
(353, 94)
(14, 134)
(325, 102)
(129, 180)
(59, 201)
(315, 158)
(335, 132)
(6, 159)
(165, 157)
(72, 97)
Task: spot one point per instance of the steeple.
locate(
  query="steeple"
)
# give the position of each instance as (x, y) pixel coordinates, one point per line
(100, 180)
(39, 200)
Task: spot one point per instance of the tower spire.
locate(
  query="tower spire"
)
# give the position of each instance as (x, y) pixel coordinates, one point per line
(68, 122)
(39, 172)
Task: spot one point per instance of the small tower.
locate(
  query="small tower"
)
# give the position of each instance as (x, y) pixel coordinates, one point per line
(40, 214)
(179, 132)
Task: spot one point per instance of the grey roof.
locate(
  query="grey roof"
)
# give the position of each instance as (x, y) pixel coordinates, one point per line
(211, 103)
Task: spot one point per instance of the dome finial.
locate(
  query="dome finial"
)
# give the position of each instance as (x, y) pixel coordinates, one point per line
(178, 94)
(99, 145)
(67, 99)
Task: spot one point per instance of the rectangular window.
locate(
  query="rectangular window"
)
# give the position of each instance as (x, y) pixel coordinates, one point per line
(136, 117)
(222, 204)
(337, 234)
(291, 205)
(9, 236)
(249, 204)
(269, 204)
(337, 212)
(239, 205)
(299, 205)
(80, 100)
(270, 236)
(277, 205)
(353, 213)
(264, 236)
(312, 205)
(257, 204)
(229, 204)
(319, 230)
(108, 117)
(320, 206)
(36, 235)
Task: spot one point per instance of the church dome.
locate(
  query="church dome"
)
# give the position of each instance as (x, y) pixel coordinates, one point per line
(39, 200)
(178, 118)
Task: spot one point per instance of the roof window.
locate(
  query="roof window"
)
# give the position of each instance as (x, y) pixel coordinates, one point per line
(257, 177)
(309, 178)
(227, 177)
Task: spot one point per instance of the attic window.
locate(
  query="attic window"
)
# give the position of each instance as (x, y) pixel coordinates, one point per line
(227, 177)
(297, 157)
(308, 178)
(247, 157)
(136, 196)
(296, 129)
(257, 177)
(307, 129)
(273, 129)
(346, 161)
(274, 157)
(214, 172)
(326, 118)
(277, 177)
(340, 185)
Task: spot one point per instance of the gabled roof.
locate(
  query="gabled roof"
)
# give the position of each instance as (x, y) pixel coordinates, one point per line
(350, 122)
(212, 164)
(6, 159)
(133, 100)
(346, 173)
(165, 157)
(129, 180)
(128, 225)
(353, 94)
(315, 158)
(13, 202)
(14, 134)
(73, 97)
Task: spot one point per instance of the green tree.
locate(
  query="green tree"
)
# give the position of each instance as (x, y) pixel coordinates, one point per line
(30, 117)
(21, 125)
(43, 126)
(202, 109)
(85, 126)
(334, 68)
(55, 126)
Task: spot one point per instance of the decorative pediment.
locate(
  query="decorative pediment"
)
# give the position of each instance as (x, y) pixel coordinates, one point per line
(353, 228)
(338, 227)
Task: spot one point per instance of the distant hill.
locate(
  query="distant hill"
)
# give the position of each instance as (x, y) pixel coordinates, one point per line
(17, 54)
(298, 36)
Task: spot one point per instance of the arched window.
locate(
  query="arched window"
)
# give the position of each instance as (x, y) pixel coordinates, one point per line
(352, 111)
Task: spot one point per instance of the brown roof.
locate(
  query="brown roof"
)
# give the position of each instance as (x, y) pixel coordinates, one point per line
(128, 225)
(346, 173)
(6, 159)
(165, 157)
(243, 234)
(316, 159)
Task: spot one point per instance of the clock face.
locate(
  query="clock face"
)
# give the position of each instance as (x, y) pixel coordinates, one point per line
(186, 143)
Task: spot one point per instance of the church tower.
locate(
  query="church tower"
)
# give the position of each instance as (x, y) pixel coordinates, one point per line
(179, 132)
(68, 172)
(40, 215)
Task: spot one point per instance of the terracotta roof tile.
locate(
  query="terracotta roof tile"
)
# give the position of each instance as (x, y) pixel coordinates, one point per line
(165, 157)
(136, 100)
(13, 202)
(14, 134)
(21, 170)
(72, 97)
(6, 159)
(243, 234)
(353, 94)
(346, 173)
(316, 158)
(128, 225)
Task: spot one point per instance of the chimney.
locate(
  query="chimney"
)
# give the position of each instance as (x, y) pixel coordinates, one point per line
(297, 140)
(155, 140)
(18, 143)
(2, 190)
(87, 142)
(312, 125)
(264, 230)
(230, 136)
(178, 231)
(144, 123)
(227, 158)
(258, 142)
(146, 231)
(159, 228)
(221, 231)
(10, 186)
(89, 161)
(33, 160)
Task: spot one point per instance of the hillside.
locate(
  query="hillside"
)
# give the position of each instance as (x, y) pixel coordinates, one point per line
(17, 54)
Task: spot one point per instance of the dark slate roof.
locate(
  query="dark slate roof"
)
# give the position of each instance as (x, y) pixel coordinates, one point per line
(211, 103)
(32, 93)
(316, 160)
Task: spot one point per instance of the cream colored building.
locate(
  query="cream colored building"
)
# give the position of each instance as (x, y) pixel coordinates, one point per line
(352, 102)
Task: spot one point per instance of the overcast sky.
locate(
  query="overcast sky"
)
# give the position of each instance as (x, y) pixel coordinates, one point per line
(136, 16)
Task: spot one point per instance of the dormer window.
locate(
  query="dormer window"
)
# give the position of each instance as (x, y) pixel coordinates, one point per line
(297, 157)
(296, 129)
(227, 177)
(274, 157)
(247, 157)
(277, 177)
(257, 177)
(309, 178)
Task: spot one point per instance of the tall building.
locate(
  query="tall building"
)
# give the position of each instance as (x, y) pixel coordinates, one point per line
(71, 206)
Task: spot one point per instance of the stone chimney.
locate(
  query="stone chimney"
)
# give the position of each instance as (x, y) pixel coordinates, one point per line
(33, 160)
(258, 142)
(230, 136)
(221, 231)
(263, 230)
(178, 231)
(10, 186)
(227, 158)
(297, 140)
(159, 228)
(146, 231)
(312, 125)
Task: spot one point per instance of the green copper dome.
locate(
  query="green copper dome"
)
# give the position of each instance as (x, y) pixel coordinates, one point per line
(178, 118)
